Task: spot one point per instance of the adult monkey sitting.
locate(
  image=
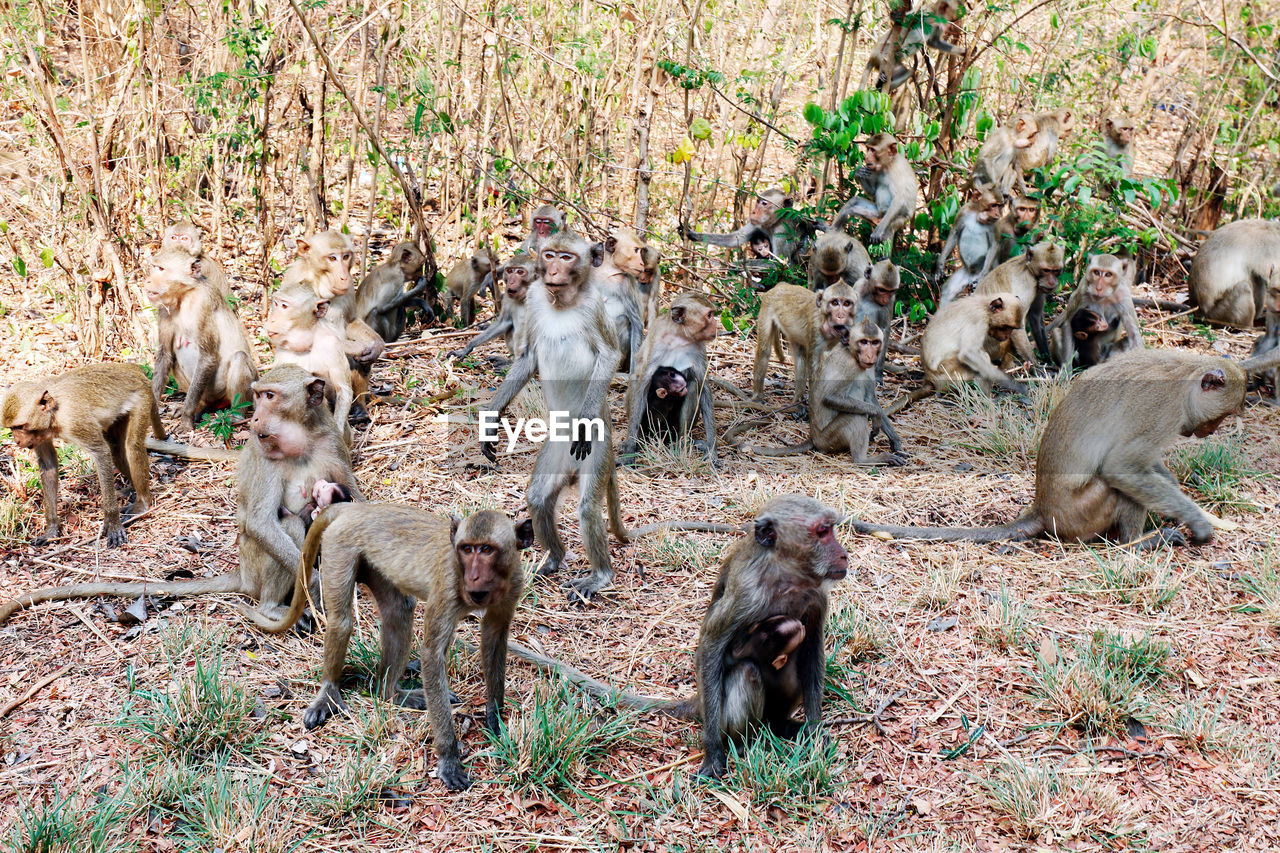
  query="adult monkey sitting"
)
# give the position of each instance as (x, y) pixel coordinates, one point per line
(1099, 469)
(765, 215)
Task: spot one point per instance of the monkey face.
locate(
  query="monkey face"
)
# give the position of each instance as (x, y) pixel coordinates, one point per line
(172, 275)
(27, 438)
(560, 267)
(627, 252)
(410, 259)
(883, 296)
(763, 213)
(1025, 214)
(182, 236)
(1047, 280)
(669, 382)
(329, 256)
(482, 580)
(866, 352)
(1102, 280)
(1001, 332)
(517, 280)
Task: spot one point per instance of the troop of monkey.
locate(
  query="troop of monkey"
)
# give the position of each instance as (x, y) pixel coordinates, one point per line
(573, 314)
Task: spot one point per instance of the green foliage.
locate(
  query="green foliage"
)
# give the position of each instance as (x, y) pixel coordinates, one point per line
(1217, 469)
(791, 774)
(1108, 682)
(223, 422)
(60, 825)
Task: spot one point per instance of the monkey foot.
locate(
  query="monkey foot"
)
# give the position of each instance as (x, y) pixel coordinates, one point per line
(115, 536)
(414, 700)
(326, 705)
(48, 536)
(358, 415)
(453, 776)
(584, 589)
(549, 567)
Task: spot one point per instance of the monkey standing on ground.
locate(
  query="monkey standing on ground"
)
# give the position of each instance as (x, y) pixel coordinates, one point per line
(1023, 215)
(876, 292)
(516, 275)
(202, 341)
(676, 344)
(615, 266)
(293, 445)
(969, 340)
(382, 300)
(973, 233)
(842, 401)
(1050, 128)
(1032, 278)
(1099, 470)
(297, 331)
(571, 346)
(104, 409)
(996, 166)
(836, 257)
(1117, 142)
(765, 216)
(807, 320)
(466, 281)
(185, 237)
(1105, 290)
(890, 182)
(401, 553)
(1229, 275)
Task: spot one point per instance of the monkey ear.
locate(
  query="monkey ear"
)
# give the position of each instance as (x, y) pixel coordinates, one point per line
(195, 267)
(524, 533)
(454, 521)
(47, 403)
(610, 244)
(788, 203)
(597, 254)
(995, 305)
(1214, 380)
(867, 272)
(322, 308)
(677, 314)
(302, 247)
(892, 148)
(315, 392)
(766, 534)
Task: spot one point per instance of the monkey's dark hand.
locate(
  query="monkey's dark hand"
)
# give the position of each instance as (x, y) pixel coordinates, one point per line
(367, 355)
(683, 229)
(489, 449)
(580, 448)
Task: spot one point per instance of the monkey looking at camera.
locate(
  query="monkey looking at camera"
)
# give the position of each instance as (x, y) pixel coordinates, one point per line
(1099, 470)
(382, 300)
(1229, 275)
(876, 292)
(807, 321)
(1105, 290)
(1117, 142)
(891, 186)
(1023, 216)
(324, 265)
(545, 222)
(516, 274)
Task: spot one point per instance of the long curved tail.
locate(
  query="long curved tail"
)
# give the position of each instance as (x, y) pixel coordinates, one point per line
(1026, 527)
(695, 526)
(229, 582)
(310, 550)
(616, 523)
(788, 450)
(186, 451)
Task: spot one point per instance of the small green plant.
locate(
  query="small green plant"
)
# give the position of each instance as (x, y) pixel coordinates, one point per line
(554, 740)
(1098, 691)
(1140, 659)
(1026, 793)
(658, 457)
(1006, 428)
(1216, 469)
(1200, 726)
(60, 825)
(1147, 579)
(680, 552)
(1264, 586)
(856, 635)
(350, 794)
(940, 588)
(793, 774)
(222, 423)
(1005, 623)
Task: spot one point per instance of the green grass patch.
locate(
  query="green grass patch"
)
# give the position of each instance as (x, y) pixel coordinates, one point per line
(793, 775)
(1216, 470)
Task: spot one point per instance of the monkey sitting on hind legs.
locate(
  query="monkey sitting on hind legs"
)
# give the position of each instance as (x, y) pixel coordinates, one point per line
(1099, 470)
(294, 456)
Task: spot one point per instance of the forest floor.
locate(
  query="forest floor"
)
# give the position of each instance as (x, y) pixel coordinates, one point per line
(979, 663)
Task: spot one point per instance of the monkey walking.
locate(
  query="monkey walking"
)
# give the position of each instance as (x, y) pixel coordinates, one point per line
(807, 321)
(106, 410)
(1099, 470)
(517, 274)
(294, 458)
(402, 554)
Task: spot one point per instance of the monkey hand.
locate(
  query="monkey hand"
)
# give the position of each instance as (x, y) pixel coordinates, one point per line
(368, 355)
(878, 235)
(489, 449)
(456, 354)
(115, 536)
(580, 448)
(683, 229)
(895, 459)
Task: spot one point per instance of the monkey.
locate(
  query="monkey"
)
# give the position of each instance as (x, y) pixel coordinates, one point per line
(202, 341)
(1050, 128)
(995, 166)
(382, 299)
(876, 292)
(1105, 290)
(919, 27)
(974, 234)
(1032, 278)
(785, 567)
(842, 401)
(969, 339)
(293, 445)
(616, 264)
(760, 667)
(1092, 335)
(1023, 216)
(323, 493)
(649, 282)
(765, 215)
(1265, 350)
(1099, 470)
(185, 237)
(324, 265)
(401, 554)
(806, 320)
(517, 274)
(1228, 276)
(836, 257)
(570, 344)
(891, 184)
(545, 222)
(467, 280)
(104, 409)
(676, 343)
(1117, 143)
(297, 331)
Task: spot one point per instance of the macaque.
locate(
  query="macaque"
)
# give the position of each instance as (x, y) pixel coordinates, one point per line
(1106, 290)
(570, 344)
(516, 275)
(1050, 128)
(1229, 275)
(891, 184)
(876, 292)
(401, 553)
(764, 216)
(973, 233)
(969, 340)
(995, 166)
(382, 299)
(298, 334)
(1117, 142)
(1266, 349)
(649, 283)
(185, 237)
(930, 26)
(1023, 215)
(294, 458)
(324, 265)
(104, 409)
(545, 222)
(807, 320)
(1092, 340)
(672, 362)
(836, 257)
(783, 568)
(1032, 278)
(843, 409)
(1099, 470)
(467, 280)
(616, 266)
(202, 341)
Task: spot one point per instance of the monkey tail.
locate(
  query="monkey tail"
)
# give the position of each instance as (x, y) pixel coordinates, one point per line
(615, 507)
(680, 708)
(157, 425)
(695, 526)
(1027, 526)
(788, 450)
(186, 451)
(229, 582)
(310, 550)
(907, 399)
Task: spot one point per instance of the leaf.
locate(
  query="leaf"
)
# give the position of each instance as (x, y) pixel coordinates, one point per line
(813, 113)
(700, 128)
(46, 257)
(20, 266)
(738, 809)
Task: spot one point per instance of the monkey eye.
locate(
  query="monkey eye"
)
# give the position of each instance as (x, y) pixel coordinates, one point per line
(822, 530)
(485, 549)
